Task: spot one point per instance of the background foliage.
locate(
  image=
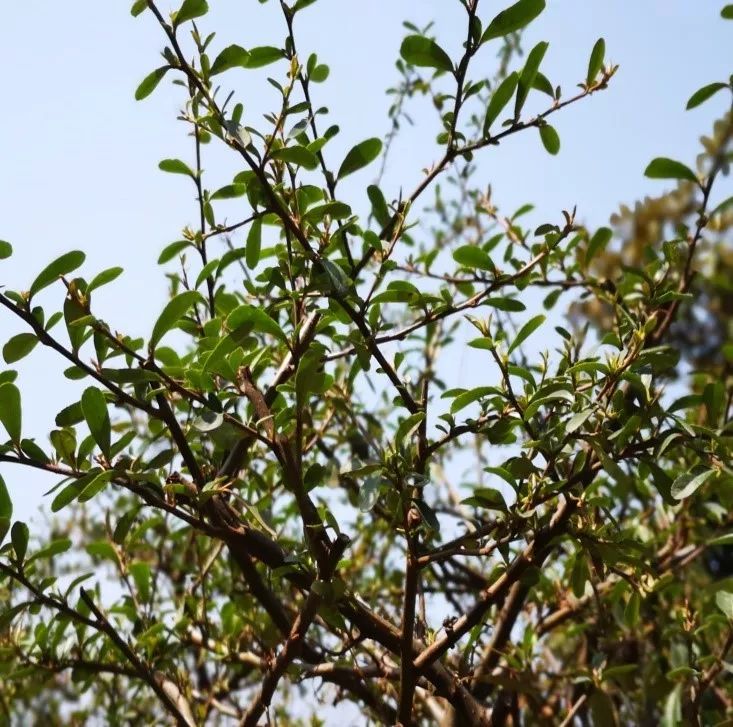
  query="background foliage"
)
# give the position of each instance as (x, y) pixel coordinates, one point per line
(282, 487)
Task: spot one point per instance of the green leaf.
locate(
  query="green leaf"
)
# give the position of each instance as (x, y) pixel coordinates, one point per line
(73, 489)
(256, 318)
(102, 549)
(19, 347)
(471, 256)
(631, 611)
(94, 487)
(319, 74)
(190, 10)
(301, 5)
(334, 210)
(526, 331)
(550, 139)
(170, 251)
(19, 538)
(514, 18)
(94, 407)
(233, 56)
(6, 510)
(687, 483)
(499, 99)
(487, 497)
(176, 166)
(468, 397)
(407, 426)
(542, 83)
(6, 249)
(379, 205)
(140, 572)
(508, 304)
(663, 168)
(724, 601)
(601, 237)
(704, 93)
(230, 191)
(150, 83)
(577, 420)
(172, 313)
(54, 548)
(70, 415)
(10, 413)
(64, 442)
(263, 56)
(298, 155)
(727, 12)
(429, 517)
(369, 493)
(106, 276)
(596, 61)
(60, 266)
(138, 7)
(6, 504)
(528, 74)
(124, 524)
(417, 50)
(254, 244)
(310, 378)
(359, 156)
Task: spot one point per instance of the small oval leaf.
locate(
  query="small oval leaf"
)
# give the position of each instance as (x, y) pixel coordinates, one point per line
(94, 408)
(526, 331)
(254, 244)
(550, 139)
(10, 413)
(233, 56)
(175, 166)
(60, 266)
(172, 313)
(663, 168)
(359, 156)
(190, 10)
(514, 18)
(596, 61)
(418, 50)
(150, 83)
(500, 98)
(19, 347)
(704, 93)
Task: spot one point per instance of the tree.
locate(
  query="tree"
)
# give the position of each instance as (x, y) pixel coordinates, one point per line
(282, 486)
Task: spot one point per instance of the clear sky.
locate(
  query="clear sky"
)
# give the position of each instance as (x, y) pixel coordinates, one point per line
(79, 155)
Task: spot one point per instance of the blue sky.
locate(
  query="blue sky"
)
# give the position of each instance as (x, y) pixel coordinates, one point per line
(79, 155)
